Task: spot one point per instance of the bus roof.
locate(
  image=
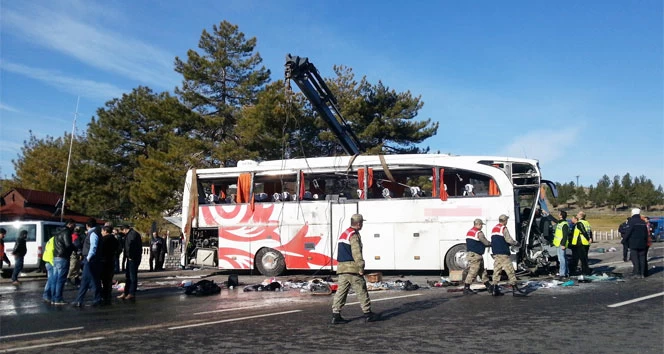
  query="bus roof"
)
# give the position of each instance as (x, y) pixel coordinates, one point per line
(321, 164)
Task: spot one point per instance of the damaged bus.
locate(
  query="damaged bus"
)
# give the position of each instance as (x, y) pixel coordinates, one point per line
(280, 215)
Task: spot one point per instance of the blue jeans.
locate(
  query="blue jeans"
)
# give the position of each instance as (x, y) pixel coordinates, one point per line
(562, 271)
(60, 270)
(18, 267)
(90, 280)
(131, 276)
(50, 283)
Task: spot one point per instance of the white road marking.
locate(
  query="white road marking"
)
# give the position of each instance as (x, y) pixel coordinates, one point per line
(50, 344)
(636, 300)
(234, 319)
(227, 310)
(386, 298)
(42, 332)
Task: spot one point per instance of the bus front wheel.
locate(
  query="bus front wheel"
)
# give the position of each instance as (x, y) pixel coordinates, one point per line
(270, 262)
(455, 259)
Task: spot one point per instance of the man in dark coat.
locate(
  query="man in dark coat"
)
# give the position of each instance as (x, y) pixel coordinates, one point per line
(622, 229)
(133, 248)
(109, 247)
(637, 241)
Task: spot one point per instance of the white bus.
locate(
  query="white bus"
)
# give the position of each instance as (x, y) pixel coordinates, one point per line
(39, 232)
(287, 214)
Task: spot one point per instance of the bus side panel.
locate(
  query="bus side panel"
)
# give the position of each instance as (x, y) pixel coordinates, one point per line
(378, 245)
(303, 241)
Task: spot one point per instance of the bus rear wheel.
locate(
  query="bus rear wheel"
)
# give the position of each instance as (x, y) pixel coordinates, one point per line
(270, 262)
(455, 259)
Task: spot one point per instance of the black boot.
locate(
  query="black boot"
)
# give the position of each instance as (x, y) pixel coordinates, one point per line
(371, 317)
(337, 319)
(496, 291)
(517, 292)
(468, 291)
(489, 287)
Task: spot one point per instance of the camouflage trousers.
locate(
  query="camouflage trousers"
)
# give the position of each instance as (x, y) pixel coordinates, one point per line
(359, 285)
(502, 262)
(74, 267)
(475, 267)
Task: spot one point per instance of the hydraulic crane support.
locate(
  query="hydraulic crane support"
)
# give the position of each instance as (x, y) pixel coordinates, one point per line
(313, 86)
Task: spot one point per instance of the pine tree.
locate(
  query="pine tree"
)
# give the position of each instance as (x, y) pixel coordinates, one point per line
(217, 83)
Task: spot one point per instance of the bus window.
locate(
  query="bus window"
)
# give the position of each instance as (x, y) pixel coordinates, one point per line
(405, 183)
(275, 188)
(321, 186)
(50, 230)
(216, 191)
(463, 183)
(13, 232)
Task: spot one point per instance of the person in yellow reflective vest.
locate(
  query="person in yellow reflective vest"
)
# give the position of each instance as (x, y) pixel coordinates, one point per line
(561, 241)
(580, 239)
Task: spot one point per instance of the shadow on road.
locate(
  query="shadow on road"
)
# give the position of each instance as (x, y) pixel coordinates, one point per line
(410, 307)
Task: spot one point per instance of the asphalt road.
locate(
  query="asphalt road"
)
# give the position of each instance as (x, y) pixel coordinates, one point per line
(592, 317)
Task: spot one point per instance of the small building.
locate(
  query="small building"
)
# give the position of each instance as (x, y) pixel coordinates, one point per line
(29, 204)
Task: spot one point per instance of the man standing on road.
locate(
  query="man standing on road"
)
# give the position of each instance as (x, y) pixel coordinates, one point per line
(580, 239)
(3, 255)
(475, 245)
(90, 263)
(622, 229)
(500, 246)
(560, 241)
(109, 246)
(20, 249)
(62, 250)
(350, 269)
(637, 240)
(133, 248)
(589, 231)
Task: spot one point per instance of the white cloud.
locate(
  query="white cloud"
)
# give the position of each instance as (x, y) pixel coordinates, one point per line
(8, 108)
(89, 42)
(82, 87)
(546, 145)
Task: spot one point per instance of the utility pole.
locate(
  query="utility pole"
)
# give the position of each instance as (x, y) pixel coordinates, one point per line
(71, 144)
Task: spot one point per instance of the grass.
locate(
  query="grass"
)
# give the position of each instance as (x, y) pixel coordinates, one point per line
(605, 219)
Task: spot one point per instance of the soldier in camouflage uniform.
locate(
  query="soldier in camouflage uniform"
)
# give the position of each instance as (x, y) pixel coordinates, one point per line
(475, 246)
(500, 241)
(350, 269)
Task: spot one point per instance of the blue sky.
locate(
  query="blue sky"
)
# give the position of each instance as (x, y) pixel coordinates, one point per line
(575, 84)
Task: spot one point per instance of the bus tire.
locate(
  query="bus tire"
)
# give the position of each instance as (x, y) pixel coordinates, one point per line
(270, 262)
(455, 259)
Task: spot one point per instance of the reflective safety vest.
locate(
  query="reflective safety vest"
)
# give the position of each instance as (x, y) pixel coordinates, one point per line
(577, 233)
(558, 235)
(48, 251)
(498, 243)
(473, 243)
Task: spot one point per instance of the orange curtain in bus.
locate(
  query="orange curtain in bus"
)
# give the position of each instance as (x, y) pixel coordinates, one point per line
(443, 192)
(360, 180)
(243, 188)
(493, 187)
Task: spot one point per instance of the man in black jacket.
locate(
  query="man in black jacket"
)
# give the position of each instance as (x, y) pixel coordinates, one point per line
(62, 250)
(109, 246)
(637, 240)
(622, 229)
(133, 248)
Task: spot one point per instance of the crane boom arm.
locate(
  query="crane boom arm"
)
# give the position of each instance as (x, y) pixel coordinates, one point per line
(312, 85)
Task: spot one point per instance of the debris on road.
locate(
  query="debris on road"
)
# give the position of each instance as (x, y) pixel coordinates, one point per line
(202, 288)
